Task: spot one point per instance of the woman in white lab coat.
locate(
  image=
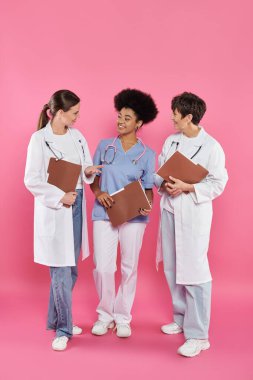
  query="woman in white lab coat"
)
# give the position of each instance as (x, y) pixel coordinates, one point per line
(59, 231)
(186, 216)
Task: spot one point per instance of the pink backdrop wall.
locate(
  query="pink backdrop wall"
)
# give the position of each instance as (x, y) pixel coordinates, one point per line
(96, 49)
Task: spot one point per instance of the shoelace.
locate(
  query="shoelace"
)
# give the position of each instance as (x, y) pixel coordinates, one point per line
(194, 341)
(100, 323)
(190, 341)
(60, 338)
(121, 324)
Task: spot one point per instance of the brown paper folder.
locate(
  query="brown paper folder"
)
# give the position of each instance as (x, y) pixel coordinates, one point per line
(63, 174)
(181, 167)
(128, 202)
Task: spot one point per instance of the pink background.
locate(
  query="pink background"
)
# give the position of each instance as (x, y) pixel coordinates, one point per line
(96, 49)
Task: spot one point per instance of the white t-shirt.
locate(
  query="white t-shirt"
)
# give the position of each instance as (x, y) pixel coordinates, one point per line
(67, 147)
(188, 146)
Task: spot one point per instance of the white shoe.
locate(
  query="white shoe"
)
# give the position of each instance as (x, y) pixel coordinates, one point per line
(60, 343)
(123, 330)
(101, 328)
(171, 328)
(76, 330)
(193, 347)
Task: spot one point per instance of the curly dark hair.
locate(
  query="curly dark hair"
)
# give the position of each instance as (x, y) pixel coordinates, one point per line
(141, 103)
(188, 103)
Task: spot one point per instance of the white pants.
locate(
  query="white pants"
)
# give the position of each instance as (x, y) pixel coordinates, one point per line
(111, 306)
(191, 303)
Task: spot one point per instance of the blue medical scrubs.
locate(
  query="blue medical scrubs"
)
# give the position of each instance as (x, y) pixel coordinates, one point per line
(119, 170)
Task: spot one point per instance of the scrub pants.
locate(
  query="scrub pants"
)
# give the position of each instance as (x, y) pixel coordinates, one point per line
(191, 303)
(63, 280)
(116, 307)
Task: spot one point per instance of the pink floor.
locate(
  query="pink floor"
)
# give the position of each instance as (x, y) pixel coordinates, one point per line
(25, 351)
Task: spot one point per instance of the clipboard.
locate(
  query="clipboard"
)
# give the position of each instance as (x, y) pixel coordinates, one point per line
(63, 174)
(128, 202)
(181, 167)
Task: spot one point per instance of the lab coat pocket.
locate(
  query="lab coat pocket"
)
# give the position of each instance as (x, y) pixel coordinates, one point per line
(44, 220)
(202, 219)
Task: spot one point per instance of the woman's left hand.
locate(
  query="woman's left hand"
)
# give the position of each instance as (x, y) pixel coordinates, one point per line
(93, 170)
(144, 211)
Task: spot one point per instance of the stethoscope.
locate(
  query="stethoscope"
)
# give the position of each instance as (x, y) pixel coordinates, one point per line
(52, 150)
(58, 158)
(112, 147)
(177, 143)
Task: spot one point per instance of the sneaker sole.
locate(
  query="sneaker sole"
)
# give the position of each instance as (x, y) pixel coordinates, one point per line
(79, 333)
(123, 336)
(203, 348)
(111, 326)
(172, 332)
(59, 349)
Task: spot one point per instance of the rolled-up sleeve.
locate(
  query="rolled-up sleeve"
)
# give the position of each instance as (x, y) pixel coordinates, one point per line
(214, 184)
(161, 160)
(97, 160)
(87, 162)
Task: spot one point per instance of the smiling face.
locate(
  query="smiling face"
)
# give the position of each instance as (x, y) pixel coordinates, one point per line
(127, 122)
(69, 117)
(180, 123)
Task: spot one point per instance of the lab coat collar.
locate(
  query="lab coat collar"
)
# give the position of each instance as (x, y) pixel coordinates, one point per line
(198, 141)
(49, 138)
(48, 133)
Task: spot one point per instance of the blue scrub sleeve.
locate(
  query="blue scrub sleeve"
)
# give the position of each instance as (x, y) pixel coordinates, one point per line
(149, 171)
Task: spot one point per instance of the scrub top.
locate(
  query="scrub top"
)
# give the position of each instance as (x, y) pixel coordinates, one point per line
(119, 170)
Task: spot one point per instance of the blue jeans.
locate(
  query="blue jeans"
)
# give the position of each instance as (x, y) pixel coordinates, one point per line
(63, 280)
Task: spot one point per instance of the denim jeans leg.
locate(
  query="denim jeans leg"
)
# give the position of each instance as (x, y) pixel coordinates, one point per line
(52, 314)
(61, 285)
(77, 230)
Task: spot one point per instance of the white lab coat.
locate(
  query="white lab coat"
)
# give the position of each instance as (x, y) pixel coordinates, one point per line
(53, 224)
(193, 211)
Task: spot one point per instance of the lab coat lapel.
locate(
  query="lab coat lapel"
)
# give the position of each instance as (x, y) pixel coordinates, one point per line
(49, 138)
(78, 146)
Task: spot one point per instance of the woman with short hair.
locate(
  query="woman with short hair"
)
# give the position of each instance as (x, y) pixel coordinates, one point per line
(186, 216)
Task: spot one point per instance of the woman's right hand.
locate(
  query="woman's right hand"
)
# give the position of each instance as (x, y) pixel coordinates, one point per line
(168, 188)
(69, 198)
(105, 199)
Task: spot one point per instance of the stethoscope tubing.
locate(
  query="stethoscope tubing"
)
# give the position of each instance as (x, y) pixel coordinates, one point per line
(177, 144)
(113, 146)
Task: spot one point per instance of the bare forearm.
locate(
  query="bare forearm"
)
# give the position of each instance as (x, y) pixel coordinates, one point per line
(95, 188)
(189, 188)
(150, 195)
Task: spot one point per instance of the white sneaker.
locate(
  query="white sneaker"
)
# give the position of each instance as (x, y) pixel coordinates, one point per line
(60, 343)
(101, 328)
(123, 330)
(193, 347)
(76, 330)
(171, 328)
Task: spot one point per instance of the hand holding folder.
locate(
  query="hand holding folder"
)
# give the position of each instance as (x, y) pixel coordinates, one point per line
(63, 174)
(128, 201)
(181, 167)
